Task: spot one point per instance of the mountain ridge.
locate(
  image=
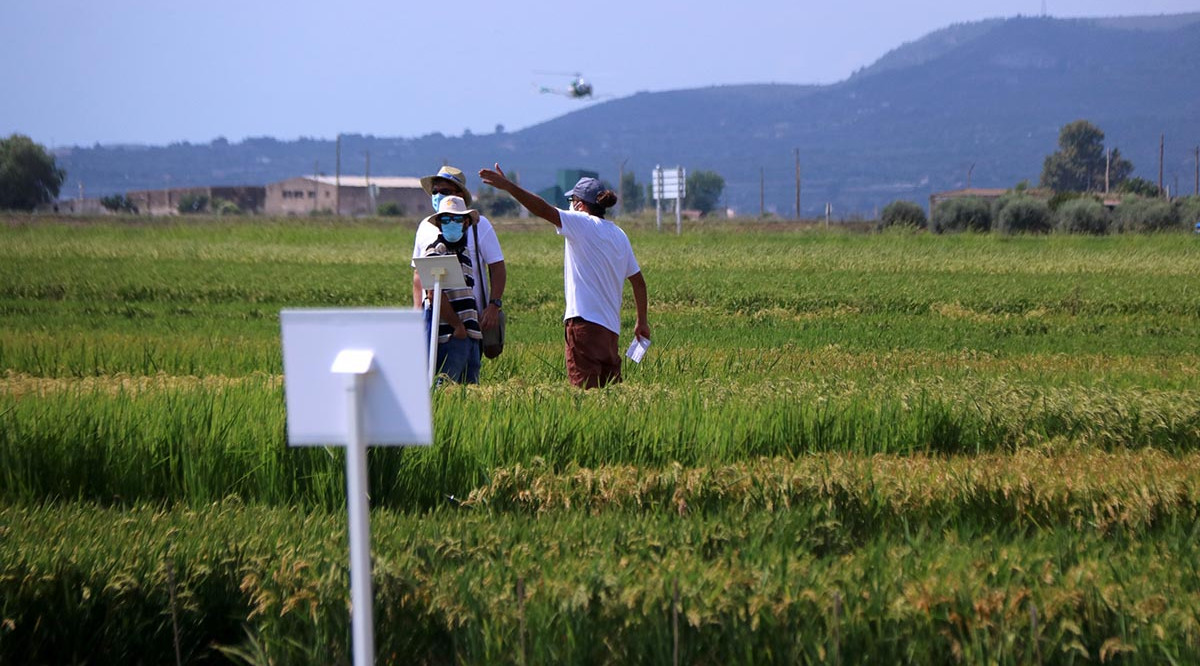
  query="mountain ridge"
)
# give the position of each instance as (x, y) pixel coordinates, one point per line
(986, 98)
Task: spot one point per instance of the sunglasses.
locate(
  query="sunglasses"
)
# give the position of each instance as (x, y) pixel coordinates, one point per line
(454, 218)
(444, 189)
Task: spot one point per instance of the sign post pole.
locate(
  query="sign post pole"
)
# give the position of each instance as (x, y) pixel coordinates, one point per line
(679, 180)
(353, 365)
(435, 321)
(658, 188)
(375, 401)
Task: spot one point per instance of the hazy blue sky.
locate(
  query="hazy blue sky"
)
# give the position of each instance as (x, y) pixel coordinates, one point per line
(77, 72)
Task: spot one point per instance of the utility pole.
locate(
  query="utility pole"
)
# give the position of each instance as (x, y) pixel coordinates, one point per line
(1161, 141)
(797, 184)
(1107, 167)
(316, 184)
(762, 191)
(367, 179)
(337, 179)
(969, 170)
(1198, 171)
(620, 187)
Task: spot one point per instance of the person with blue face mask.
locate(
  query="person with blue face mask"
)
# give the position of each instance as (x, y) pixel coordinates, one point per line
(482, 245)
(459, 330)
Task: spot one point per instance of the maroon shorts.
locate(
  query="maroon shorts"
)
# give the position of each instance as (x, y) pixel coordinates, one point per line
(593, 359)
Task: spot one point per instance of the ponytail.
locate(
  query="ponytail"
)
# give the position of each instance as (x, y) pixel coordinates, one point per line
(605, 200)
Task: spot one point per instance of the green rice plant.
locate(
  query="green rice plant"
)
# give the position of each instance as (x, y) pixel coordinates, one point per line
(901, 448)
(199, 440)
(735, 587)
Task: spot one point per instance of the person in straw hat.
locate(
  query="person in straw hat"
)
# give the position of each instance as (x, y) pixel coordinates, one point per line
(598, 261)
(482, 245)
(459, 332)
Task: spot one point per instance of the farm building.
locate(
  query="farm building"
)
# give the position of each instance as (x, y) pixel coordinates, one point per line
(347, 195)
(248, 198)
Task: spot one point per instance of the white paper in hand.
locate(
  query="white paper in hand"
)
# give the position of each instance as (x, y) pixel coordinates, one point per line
(637, 349)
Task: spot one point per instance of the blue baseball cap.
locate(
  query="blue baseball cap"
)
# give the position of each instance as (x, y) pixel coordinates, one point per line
(587, 190)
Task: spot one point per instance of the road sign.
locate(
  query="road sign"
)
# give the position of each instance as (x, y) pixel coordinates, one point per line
(669, 183)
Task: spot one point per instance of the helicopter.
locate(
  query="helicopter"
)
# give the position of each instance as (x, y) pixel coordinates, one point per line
(577, 89)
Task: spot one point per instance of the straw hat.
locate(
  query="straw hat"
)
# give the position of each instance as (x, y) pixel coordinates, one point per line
(450, 174)
(453, 206)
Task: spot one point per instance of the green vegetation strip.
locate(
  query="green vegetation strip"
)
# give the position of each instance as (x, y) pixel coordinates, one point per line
(201, 440)
(896, 448)
(795, 585)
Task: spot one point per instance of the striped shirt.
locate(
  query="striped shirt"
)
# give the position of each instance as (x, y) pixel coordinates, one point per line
(462, 300)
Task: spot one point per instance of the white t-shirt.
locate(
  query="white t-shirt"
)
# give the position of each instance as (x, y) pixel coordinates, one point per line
(597, 261)
(489, 250)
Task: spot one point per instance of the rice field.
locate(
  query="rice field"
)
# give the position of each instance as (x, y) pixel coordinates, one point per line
(842, 448)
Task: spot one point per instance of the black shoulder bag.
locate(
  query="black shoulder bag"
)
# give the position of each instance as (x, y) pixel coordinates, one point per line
(493, 338)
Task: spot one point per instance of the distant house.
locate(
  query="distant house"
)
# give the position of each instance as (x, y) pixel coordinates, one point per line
(347, 195)
(248, 198)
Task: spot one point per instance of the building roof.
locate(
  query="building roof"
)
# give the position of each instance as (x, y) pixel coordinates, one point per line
(972, 192)
(401, 182)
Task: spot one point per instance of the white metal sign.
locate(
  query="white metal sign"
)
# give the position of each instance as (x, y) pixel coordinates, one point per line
(396, 403)
(669, 183)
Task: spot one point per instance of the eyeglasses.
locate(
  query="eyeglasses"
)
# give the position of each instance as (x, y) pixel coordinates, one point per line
(454, 218)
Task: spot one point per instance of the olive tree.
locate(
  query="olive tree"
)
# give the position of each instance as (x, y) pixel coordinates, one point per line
(28, 175)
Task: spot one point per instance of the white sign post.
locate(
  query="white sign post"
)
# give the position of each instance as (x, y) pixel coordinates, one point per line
(669, 184)
(443, 272)
(380, 400)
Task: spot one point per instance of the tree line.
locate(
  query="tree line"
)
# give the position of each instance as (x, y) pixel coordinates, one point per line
(1070, 198)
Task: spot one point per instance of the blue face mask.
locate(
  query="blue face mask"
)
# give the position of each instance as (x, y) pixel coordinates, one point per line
(452, 231)
(437, 201)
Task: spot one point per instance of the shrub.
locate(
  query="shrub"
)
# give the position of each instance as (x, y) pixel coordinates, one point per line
(1137, 214)
(1083, 216)
(193, 203)
(1024, 215)
(389, 209)
(1139, 187)
(1189, 211)
(966, 214)
(225, 207)
(903, 214)
(118, 203)
(1061, 198)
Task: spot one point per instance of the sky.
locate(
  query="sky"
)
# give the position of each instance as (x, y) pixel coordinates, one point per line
(81, 72)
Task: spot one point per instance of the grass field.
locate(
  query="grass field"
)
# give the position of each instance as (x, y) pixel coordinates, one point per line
(842, 448)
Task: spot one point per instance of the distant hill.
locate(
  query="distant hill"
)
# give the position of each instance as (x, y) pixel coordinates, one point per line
(986, 97)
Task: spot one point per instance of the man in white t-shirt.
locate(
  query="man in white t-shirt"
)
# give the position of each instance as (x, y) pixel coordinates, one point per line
(482, 249)
(598, 258)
